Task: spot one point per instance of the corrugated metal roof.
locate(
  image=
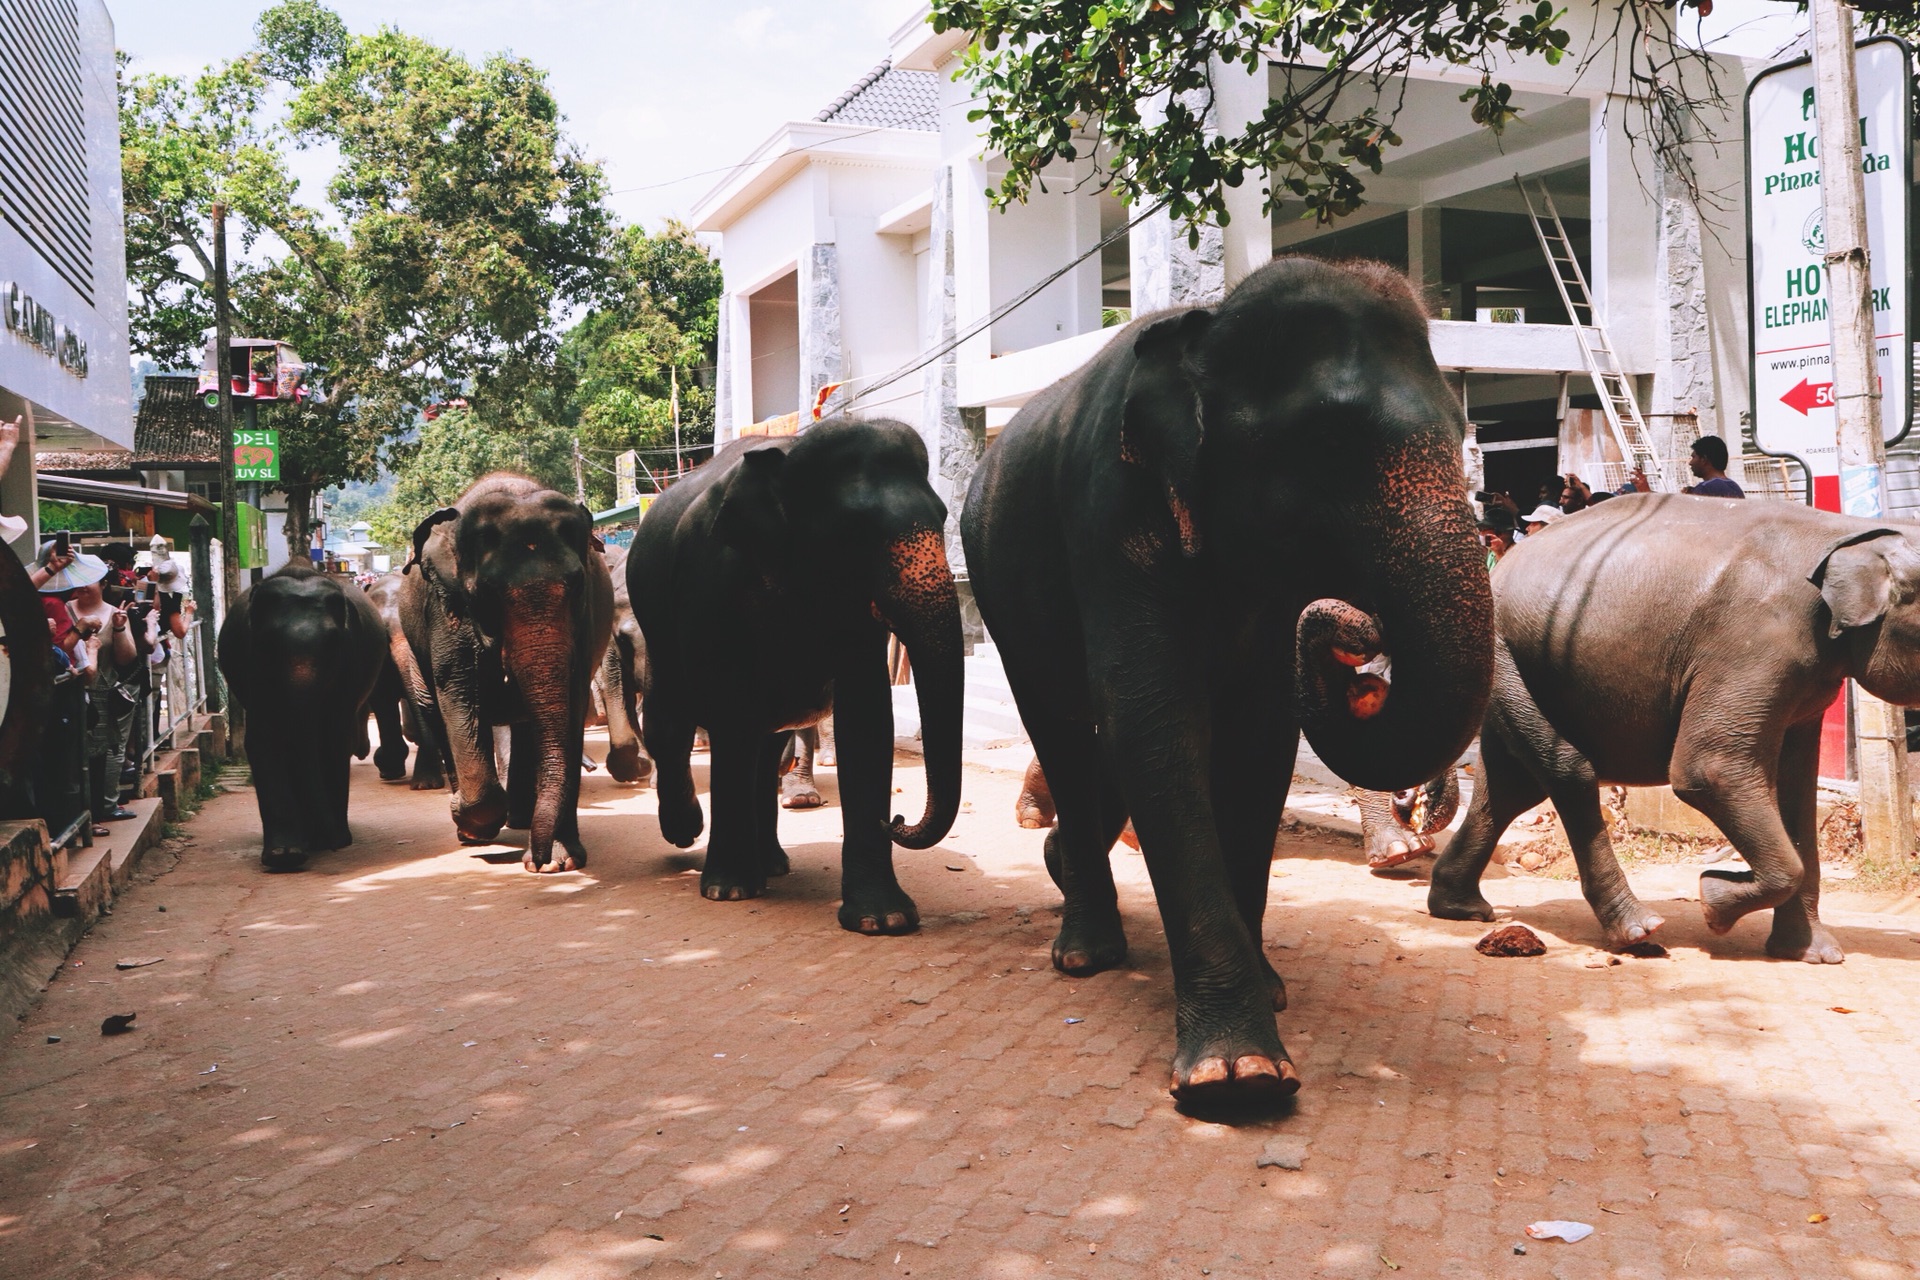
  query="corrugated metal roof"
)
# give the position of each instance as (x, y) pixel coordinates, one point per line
(889, 98)
(172, 426)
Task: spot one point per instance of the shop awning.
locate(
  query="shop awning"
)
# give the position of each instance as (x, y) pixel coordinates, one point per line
(103, 492)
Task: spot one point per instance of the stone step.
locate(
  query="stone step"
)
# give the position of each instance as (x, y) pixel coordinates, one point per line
(91, 877)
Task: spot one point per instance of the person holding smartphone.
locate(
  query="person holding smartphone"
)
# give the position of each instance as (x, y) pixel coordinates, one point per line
(118, 677)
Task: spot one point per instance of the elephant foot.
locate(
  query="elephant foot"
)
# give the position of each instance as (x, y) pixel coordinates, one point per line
(1445, 904)
(427, 780)
(1089, 943)
(566, 856)
(680, 818)
(725, 884)
(774, 862)
(281, 861)
(798, 792)
(1034, 809)
(1798, 942)
(480, 822)
(1233, 1070)
(881, 910)
(1276, 982)
(1725, 896)
(626, 764)
(1628, 924)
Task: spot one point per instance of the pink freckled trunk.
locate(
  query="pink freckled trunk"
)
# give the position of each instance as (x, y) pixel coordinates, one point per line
(540, 660)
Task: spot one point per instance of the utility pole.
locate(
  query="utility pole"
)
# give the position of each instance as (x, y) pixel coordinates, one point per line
(679, 467)
(229, 486)
(253, 425)
(579, 475)
(1886, 810)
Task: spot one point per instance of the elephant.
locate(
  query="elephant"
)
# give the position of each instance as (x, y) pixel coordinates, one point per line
(508, 616)
(1697, 642)
(622, 675)
(806, 747)
(1397, 826)
(398, 698)
(1210, 535)
(766, 584)
(301, 652)
(28, 685)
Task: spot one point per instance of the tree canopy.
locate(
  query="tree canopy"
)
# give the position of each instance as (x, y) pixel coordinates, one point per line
(1128, 85)
(459, 227)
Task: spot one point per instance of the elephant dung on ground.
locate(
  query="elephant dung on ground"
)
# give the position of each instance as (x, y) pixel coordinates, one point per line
(1210, 535)
(1697, 642)
(621, 678)
(301, 652)
(766, 584)
(508, 610)
(398, 698)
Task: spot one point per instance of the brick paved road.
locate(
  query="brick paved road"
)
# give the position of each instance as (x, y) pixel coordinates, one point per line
(433, 1065)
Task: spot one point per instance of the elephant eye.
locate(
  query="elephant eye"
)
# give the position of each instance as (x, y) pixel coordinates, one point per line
(532, 547)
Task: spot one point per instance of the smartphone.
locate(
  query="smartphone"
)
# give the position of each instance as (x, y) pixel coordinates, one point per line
(60, 543)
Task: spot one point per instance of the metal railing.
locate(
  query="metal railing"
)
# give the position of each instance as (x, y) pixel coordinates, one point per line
(179, 694)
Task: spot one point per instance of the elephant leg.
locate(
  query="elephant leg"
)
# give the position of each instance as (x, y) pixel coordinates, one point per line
(391, 758)
(796, 785)
(1504, 788)
(1035, 809)
(1797, 931)
(566, 830)
(1253, 755)
(1625, 920)
(422, 721)
(733, 870)
(523, 764)
(669, 731)
(767, 801)
(1089, 813)
(1730, 778)
(826, 755)
(623, 743)
(281, 845)
(334, 774)
(871, 899)
(1387, 840)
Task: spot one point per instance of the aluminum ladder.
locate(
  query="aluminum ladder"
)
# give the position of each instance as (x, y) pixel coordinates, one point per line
(1610, 381)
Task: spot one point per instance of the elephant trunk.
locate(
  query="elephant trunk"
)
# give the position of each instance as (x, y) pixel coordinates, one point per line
(1424, 575)
(919, 602)
(538, 654)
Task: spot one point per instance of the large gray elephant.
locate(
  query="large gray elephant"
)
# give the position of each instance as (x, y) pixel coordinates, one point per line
(1695, 642)
(1209, 536)
(399, 699)
(766, 584)
(301, 652)
(622, 679)
(508, 609)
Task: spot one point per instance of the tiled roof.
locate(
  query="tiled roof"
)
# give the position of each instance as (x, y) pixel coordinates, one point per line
(173, 427)
(60, 460)
(889, 98)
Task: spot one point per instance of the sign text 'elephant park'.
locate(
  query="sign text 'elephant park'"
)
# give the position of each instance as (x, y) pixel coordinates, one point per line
(1791, 356)
(256, 455)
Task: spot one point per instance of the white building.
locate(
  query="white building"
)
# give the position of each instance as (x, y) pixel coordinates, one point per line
(63, 290)
(856, 242)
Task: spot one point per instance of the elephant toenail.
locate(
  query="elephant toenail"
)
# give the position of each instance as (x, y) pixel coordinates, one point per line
(1207, 1071)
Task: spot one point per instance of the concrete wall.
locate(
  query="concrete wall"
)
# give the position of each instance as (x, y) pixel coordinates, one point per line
(1026, 243)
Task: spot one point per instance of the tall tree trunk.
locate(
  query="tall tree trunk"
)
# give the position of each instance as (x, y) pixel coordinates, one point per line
(299, 501)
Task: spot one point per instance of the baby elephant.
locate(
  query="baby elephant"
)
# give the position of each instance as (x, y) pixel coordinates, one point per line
(301, 651)
(1697, 642)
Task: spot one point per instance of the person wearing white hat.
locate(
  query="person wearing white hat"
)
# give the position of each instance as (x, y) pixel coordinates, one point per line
(116, 689)
(1540, 517)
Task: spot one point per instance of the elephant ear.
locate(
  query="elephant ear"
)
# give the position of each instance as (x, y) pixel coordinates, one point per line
(423, 531)
(1161, 428)
(753, 516)
(1855, 581)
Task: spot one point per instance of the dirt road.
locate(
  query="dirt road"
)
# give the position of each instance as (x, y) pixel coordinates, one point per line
(413, 1060)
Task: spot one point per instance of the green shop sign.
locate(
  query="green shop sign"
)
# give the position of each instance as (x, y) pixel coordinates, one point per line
(256, 455)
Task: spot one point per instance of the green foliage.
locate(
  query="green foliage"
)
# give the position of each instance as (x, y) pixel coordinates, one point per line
(74, 517)
(458, 225)
(453, 451)
(1067, 80)
(622, 362)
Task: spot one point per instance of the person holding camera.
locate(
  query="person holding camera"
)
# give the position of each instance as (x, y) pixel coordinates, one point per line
(118, 673)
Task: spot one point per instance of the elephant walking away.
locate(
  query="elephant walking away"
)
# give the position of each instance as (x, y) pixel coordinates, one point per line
(508, 609)
(399, 697)
(621, 679)
(302, 653)
(766, 584)
(1696, 642)
(1208, 537)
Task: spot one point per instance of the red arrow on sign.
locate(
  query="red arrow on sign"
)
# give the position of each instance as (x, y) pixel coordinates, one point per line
(1809, 395)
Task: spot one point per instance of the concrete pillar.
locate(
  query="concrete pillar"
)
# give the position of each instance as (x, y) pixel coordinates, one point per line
(1246, 242)
(1168, 271)
(822, 357)
(955, 437)
(1423, 255)
(1682, 345)
(723, 424)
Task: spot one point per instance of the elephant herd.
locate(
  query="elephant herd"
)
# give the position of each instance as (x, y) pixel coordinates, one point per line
(1235, 526)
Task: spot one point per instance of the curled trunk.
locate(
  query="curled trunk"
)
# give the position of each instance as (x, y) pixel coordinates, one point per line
(920, 604)
(1424, 577)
